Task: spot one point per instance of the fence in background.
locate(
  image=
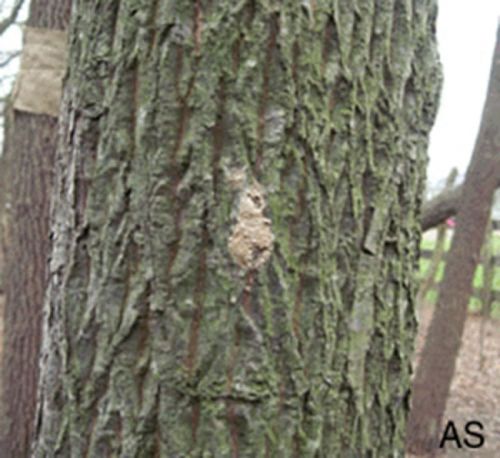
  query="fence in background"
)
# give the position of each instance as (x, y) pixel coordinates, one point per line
(489, 260)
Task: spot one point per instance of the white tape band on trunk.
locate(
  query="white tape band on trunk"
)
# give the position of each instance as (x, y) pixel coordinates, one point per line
(38, 85)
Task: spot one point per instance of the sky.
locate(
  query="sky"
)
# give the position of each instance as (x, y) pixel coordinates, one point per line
(10, 41)
(466, 32)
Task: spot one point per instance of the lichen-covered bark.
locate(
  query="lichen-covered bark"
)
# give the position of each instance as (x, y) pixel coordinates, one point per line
(27, 180)
(158, 342)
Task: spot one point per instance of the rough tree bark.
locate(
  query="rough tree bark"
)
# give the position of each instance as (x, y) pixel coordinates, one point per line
(4, 191)
(236, 228)
(435, 371)
(4, 217)
(28, 179)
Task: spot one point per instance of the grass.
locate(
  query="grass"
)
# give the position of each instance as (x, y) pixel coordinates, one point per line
(474, 304)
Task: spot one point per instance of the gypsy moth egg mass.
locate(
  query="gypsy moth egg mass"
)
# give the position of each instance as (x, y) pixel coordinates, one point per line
(251, 240)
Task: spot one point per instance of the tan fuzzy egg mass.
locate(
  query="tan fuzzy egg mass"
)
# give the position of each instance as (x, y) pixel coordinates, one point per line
(251, 240)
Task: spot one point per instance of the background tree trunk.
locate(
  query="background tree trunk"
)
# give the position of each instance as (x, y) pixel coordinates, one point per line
(435, 371)
(29, 174)
(4, 218)
(194, 132)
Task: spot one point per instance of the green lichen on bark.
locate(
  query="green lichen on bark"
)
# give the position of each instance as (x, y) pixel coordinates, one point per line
(164, 345)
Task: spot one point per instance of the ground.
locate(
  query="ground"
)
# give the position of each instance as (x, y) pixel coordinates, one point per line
(475, 392)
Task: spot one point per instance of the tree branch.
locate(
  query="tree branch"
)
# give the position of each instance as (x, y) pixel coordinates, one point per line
(10, 57)
(441, 207)
(8, 21)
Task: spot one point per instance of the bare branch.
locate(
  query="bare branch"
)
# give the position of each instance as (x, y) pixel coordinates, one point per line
(10, 57)
(11, 19)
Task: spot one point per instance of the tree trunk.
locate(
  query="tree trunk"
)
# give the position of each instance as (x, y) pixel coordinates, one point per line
(4, 218)
(31, 152)
(236, 229)
(435, 371)
(4, 192)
